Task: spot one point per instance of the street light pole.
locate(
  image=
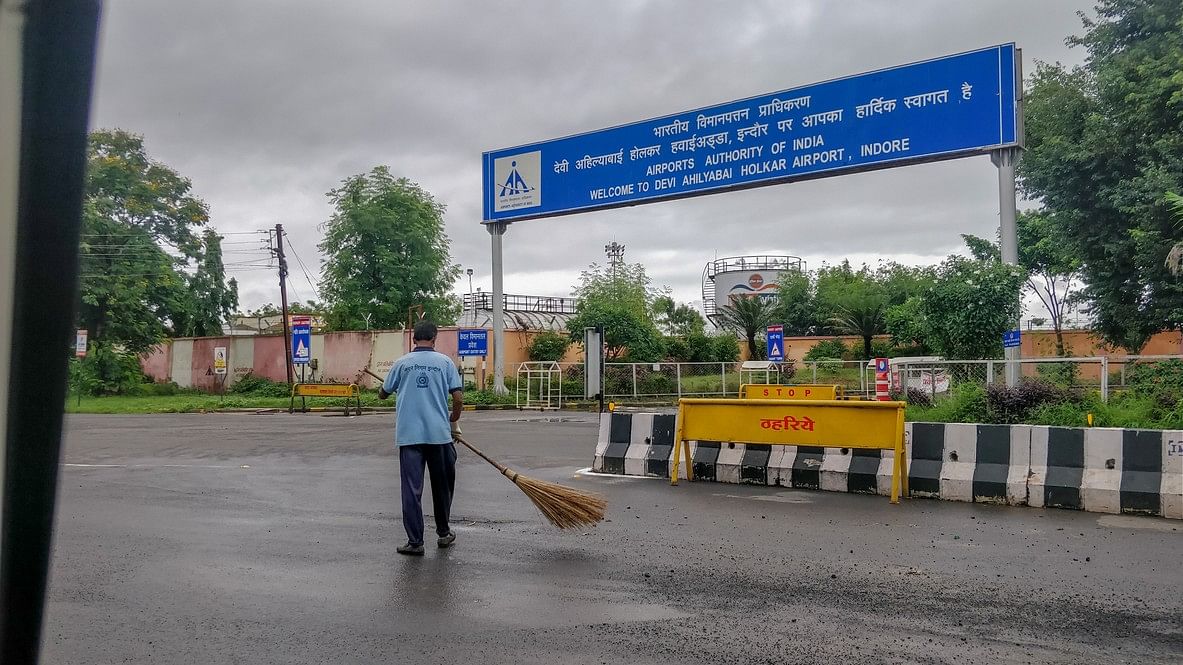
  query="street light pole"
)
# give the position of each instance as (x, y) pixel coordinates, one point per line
(471, 299)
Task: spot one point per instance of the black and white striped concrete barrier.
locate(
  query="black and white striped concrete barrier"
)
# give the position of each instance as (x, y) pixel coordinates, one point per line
(1098, 470)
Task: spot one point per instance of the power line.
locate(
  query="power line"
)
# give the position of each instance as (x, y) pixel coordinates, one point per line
(303, 268)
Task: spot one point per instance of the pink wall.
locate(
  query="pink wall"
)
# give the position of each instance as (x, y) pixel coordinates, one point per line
(202, 364)
(448, 343)
(269, 358)
(156, 362)
(345, 354)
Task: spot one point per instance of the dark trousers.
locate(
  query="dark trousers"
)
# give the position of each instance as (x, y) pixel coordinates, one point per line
(440, 461)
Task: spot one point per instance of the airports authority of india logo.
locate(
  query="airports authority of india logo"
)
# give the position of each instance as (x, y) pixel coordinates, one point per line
(517, 181)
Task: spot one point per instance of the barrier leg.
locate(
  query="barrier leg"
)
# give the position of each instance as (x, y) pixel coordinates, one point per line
(904, 471)
(689, 461)
(895, 478)
(677, 460)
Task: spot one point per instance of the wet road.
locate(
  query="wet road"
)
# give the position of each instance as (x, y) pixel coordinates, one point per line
(270, 539)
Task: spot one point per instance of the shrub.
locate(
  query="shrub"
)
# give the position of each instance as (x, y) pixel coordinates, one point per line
(572, 388)
(827, 349)
(1063, 374)
(882, 349)
(258, 386)
(106, 371)
(1013, 405)
(163, 390)
(724, 349)
(548, 346)
(966, 404)
(656, 383)
(914, 396)
(677, 349)
(1161, 380)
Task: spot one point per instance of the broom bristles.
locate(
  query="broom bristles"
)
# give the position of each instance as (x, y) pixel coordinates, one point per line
(565, 507)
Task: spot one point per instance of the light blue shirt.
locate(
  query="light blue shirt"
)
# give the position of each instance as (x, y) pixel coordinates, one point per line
(423, 380)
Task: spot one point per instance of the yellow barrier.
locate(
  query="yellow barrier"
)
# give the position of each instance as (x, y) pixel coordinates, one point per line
(808, 391)
(824, 423)
(349, 391)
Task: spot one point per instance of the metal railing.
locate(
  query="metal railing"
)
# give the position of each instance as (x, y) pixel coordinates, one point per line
(935, 380)
(520, 303)
(668, 381)
(932, 380)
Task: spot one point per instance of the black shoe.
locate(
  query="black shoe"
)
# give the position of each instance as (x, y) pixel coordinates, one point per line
(446, 540)
(411, 550)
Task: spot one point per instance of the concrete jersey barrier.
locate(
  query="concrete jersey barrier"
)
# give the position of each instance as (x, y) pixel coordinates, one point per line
(1096, 469)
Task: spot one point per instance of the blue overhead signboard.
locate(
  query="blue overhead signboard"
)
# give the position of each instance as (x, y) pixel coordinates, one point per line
(474, 342)
(948, 107)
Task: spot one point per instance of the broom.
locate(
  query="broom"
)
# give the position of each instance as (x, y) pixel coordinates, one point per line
(565, 507)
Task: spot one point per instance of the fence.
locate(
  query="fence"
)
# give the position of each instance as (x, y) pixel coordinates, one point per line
(934, 380)
(670, 381)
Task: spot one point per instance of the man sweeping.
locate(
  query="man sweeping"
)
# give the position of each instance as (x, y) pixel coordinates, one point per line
(423, 431)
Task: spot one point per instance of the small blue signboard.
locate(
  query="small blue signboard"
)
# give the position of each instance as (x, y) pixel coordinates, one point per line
(474, 342)
(301, 340)
(1011, 339)
(776, 343)
(947, 107)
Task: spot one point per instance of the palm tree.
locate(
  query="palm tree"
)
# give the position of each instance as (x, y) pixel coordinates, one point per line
(1175, 256)
(865, 320)
(749, 317)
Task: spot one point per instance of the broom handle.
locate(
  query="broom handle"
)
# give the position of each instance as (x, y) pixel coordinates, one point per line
(506, 471)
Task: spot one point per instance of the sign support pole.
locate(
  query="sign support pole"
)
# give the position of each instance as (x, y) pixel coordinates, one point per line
(496, 233)
(1005, 160)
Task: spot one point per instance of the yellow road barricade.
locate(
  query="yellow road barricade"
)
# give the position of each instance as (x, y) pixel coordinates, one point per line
(779, 422)
(349, 391)
(808, 391)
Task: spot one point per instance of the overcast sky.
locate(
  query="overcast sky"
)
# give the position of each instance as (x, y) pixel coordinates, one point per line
(266, 105)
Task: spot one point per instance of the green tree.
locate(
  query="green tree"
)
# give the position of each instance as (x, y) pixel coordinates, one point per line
(901, 282)
(969, 307)
(212, 299)
(1050, 265)
(1104, 141)
(724, 349)
(386, 253)
(297, 307)
(142, 234)
(748, 317)
(795, 305)
(906, 325)
(1174, 260)
(863, 319)
(674, 318)
(853, 302)
(620, 300)
(841, 288)
(548, 346)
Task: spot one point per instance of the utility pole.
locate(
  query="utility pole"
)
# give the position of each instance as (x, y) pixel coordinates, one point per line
(283, 299)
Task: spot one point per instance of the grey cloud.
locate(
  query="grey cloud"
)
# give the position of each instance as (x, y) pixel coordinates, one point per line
(268, 105)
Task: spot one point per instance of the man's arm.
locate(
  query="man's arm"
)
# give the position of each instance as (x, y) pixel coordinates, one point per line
(456, 388)
(390, 385)
(457, 404)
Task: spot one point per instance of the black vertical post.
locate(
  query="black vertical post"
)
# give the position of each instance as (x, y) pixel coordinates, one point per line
(57, 68)
(283, 298)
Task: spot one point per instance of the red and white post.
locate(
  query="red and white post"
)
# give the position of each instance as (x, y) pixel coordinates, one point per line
(882, 379)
